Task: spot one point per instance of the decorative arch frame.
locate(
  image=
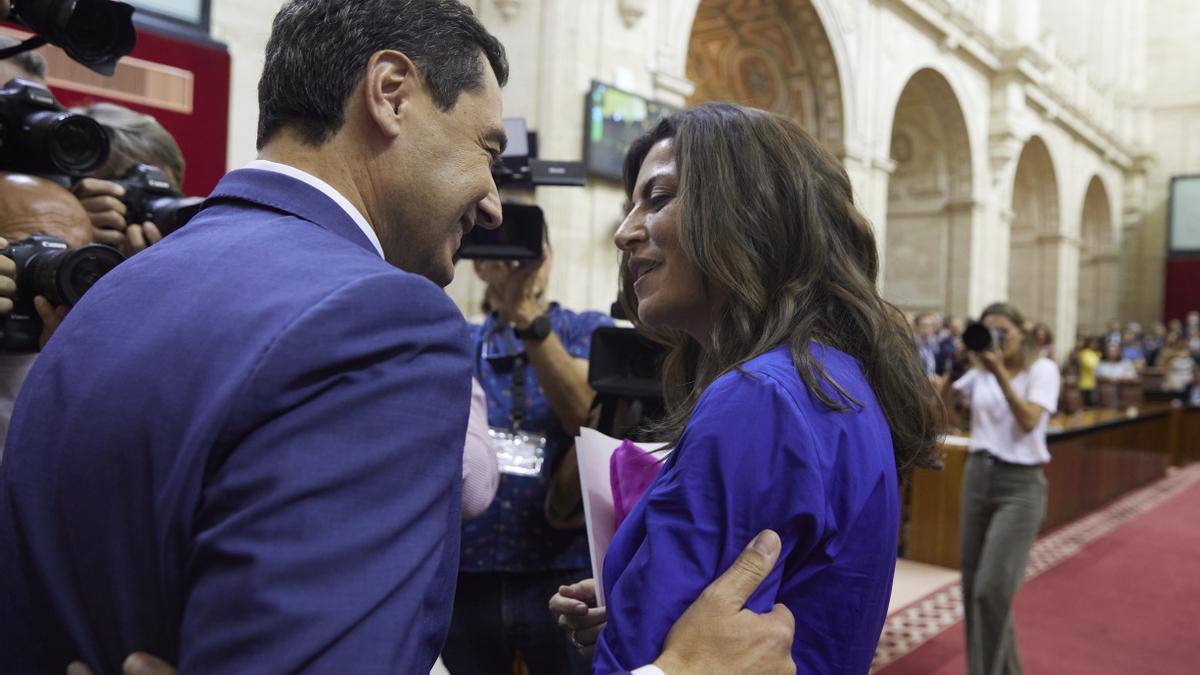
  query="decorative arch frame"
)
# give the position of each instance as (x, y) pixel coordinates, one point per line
(829, 55)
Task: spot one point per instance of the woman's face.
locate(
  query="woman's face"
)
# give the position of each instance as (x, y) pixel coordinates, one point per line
(1011, 345)
(669, 288)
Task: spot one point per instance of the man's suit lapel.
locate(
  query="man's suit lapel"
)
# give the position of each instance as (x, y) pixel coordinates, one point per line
(289, 195)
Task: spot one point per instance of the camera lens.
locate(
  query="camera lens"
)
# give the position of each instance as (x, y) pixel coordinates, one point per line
(96, 32)
(72, 144)
(64, 276)
(83, 267)
(977, 338)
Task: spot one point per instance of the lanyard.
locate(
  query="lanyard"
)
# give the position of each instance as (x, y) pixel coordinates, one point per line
(516, 412)
(519, 367)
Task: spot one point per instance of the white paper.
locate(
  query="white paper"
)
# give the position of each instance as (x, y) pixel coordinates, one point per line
(594, 451)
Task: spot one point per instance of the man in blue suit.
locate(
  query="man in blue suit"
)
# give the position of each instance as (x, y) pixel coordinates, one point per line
(242, 451)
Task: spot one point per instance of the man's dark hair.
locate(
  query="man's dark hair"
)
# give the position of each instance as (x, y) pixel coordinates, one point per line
(31, 62)
(319, 49)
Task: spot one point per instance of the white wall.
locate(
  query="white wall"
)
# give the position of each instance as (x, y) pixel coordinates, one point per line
(244, 26)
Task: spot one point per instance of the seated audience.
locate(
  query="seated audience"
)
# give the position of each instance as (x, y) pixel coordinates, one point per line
(926, 326)
(1153, 343)
(1177, 364)
(1044, 338)
(1110, 372)
(1191, 394)
(952, 355)
(1089, 359)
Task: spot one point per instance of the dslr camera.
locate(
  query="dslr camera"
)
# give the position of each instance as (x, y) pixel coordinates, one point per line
(37, 136)
(521, 235)
(979, 338)
(150, 197)
(48, 266)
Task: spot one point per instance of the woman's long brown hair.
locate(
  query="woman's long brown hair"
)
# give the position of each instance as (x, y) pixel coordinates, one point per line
(767, 216)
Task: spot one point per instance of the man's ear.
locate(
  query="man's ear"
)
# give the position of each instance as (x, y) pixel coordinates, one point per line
(390, 86)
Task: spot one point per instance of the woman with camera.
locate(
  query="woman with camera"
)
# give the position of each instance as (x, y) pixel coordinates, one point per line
(1011, 391)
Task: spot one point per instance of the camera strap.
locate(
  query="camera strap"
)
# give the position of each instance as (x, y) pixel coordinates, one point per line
(28, 45)
(516, 412)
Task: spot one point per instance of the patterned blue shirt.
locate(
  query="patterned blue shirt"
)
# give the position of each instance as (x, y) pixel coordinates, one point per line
(512, 535)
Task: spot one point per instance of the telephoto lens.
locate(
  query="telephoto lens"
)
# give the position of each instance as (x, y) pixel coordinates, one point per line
(37, 136)
(979, 338)
(48, 266)
(64, 276)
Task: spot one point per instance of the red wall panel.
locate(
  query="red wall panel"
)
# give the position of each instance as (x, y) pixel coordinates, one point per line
(1182, 291)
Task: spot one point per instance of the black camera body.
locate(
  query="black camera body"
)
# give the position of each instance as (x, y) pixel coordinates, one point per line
(38, 136)
(150, 197)
(521, 234)
(48, 266)
(979, 338)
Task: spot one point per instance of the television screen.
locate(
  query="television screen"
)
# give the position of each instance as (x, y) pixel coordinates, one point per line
(615, 119)
(1184, 217)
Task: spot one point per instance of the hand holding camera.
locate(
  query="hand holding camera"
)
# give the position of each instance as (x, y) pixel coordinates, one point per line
(136, 210)
(102, 201)
(522, 290)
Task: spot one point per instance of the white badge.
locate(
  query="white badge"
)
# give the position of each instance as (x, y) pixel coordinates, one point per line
(518, 453)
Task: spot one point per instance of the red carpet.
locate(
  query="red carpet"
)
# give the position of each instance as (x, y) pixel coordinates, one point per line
(1126, 602)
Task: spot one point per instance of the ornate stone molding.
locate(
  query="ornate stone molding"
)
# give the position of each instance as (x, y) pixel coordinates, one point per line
(676, 89)
(631, 11)
(508, 8)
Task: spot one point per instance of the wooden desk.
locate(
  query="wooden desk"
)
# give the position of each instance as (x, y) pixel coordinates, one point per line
(1096, 456)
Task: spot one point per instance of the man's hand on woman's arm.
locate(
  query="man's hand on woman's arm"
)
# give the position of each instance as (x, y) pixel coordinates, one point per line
(716, 634)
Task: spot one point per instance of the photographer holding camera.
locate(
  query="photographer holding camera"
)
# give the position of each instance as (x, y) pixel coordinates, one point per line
(531, 357)
(30, 206)
(1011, 390)
(112, 192)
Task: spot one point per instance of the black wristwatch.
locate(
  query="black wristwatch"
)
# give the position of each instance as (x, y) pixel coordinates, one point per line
(538, 330)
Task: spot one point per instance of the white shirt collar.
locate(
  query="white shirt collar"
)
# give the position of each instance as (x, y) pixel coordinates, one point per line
(327, 189)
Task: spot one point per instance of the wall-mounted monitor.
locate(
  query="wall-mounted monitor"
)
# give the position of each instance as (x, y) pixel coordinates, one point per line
(1183, 217)
(615, 119)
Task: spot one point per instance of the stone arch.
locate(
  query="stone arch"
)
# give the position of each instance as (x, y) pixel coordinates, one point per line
(770, 54)
(1098, 292)
(930, 199)
(1035, 239)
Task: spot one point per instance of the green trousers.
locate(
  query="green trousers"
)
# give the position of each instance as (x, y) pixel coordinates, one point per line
(1002, 509)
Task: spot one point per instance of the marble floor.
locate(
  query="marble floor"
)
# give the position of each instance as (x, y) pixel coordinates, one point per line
(915, 580)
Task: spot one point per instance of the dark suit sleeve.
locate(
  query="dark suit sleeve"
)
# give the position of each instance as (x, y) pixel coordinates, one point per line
(326, 539)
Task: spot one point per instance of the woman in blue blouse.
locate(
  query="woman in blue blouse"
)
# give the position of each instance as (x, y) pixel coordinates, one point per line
(795, 392)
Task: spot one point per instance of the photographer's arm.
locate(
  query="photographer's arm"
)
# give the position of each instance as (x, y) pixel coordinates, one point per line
(1028, 414)
(564, 380)
(563, 377)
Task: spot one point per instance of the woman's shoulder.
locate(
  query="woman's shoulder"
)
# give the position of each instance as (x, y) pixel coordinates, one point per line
(773, 374)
